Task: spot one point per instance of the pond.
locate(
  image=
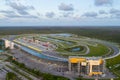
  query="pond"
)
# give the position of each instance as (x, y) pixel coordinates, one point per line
(62, 34)
(1, 51)
(2, 45)
(75, 49)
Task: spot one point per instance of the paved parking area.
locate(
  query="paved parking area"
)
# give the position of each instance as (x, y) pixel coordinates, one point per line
(42, 65)
(3, 73)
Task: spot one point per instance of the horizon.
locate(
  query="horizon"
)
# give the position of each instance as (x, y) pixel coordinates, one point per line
(59, 26)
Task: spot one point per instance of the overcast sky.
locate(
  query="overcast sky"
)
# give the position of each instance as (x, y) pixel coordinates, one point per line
(59, 12)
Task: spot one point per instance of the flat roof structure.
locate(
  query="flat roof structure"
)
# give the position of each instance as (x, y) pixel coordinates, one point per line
(86, 65)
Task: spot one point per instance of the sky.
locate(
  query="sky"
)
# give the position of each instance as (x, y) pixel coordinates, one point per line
(59, 12)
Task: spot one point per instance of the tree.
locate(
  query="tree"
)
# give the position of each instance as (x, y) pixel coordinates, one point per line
(11, 76)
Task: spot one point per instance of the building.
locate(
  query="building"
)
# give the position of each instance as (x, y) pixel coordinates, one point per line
(9, 44)
(86, 66)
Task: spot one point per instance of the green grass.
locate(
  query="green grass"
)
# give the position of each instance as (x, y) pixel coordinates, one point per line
(12, 76)
(16, 70)
(112, 66)
(90, 79)
(113, 61)
(67, 53)
(83, 79)
(100, 50)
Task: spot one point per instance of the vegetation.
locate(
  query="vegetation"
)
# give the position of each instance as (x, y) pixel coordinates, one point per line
(100, 50)
(114, 66)
(7, 49)
(16, 70)
(105, 33)
(81, 78)
(11, 76)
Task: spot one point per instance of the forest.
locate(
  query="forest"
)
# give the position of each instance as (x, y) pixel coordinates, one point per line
(104, 33)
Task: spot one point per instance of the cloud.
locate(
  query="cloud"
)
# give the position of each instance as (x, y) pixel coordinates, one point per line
(115, 13)
(65, 7)
(103, 2)
(102, 12)
(90, 14)
(20, 8)
(67, 14)
(6, 11)
(50, 14)
(12, 14)
(20, 16)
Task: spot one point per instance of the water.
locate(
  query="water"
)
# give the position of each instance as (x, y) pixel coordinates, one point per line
(63, 35)
(75, 49)
(35, 53)
(1, 51)
(2, 44)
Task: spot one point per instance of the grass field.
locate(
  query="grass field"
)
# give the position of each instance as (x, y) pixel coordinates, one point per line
(100, 50)
(114, 66)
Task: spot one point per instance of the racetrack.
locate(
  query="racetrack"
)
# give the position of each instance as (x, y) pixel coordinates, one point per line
(115, 49)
